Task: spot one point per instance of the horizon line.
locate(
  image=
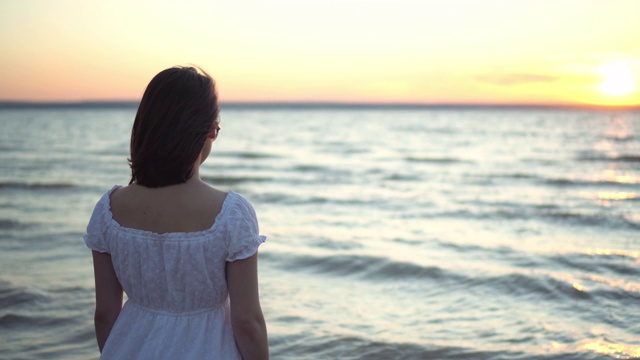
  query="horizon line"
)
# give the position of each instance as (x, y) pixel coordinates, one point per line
(85, 104)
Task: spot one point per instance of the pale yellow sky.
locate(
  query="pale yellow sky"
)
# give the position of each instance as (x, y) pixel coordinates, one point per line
(474, 51)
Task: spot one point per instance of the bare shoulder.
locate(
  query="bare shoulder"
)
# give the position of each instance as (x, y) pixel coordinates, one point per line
(198, 192)
(211, 193)
(123, 201)
(118, 195)
(213, 190)
(191, 206)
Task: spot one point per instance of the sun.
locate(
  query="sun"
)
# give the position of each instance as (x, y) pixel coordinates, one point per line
(617, 79)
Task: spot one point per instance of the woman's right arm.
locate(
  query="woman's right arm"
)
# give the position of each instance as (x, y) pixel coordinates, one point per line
(108, 296)
(249, 328)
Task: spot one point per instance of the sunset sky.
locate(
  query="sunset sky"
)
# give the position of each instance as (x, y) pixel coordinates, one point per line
(390, 51)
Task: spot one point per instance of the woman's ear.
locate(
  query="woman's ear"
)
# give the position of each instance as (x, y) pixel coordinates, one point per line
(213, 134)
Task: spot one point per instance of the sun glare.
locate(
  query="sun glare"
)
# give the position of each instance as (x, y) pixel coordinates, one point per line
(617, 79)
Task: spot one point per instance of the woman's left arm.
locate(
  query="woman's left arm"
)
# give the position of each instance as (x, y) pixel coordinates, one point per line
(108, 296)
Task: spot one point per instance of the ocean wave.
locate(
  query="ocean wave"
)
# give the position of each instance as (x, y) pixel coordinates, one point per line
(403, 177)
(597, 264)
(622, 181)
(10, 224)
(624, 294)
(536, 286)
(352, 347)
(368, 267)
(309, 168)
(619, 138)
(12, 295)
(613, 253)
(274, 197)
(325, 243)
(591, 219)
(114, 152)
(606, 347)
(516, 175)
(433, 160)
(233, 180)
(625, 158)
(586, 182)
(505, 253)
(545, 212)
(542, 285)
(356, 348)
(291, 199)
(13, 320)
(246, 155)
(17, 185)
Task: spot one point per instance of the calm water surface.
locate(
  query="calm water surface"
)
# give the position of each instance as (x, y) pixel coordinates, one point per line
(393, 233)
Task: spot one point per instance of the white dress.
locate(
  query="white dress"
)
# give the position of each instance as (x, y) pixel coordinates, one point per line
(178, 302)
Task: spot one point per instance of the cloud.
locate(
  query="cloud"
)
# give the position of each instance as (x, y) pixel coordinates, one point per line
(516, 79)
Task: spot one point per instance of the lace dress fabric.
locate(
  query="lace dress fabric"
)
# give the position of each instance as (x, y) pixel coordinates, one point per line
(178, 303)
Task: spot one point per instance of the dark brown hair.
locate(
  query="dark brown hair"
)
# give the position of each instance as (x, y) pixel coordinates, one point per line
(177, 111)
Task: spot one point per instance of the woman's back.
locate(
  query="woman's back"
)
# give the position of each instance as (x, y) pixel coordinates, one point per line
(175, 280)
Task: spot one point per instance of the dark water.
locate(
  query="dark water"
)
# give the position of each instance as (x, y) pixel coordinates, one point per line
(393, 233)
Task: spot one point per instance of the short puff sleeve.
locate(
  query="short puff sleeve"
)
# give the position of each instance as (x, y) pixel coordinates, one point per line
(244, 233)
(95, 235)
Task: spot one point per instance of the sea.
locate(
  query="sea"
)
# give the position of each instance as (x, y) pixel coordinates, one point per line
(394, 232)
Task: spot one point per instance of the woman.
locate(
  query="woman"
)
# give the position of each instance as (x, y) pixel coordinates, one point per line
(183, 252)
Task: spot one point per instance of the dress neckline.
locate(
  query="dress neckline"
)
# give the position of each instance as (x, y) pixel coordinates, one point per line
(174, 234)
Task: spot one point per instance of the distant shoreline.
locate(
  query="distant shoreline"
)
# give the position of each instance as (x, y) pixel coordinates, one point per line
(313, 105)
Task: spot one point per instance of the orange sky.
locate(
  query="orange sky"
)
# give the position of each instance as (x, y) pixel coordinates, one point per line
(418, 51)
